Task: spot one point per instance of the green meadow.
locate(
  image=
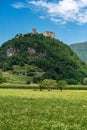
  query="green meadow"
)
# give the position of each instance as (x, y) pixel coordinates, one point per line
(24, 109)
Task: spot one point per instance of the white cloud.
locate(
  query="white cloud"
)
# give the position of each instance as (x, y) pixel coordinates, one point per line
(18, 5)
(42, 17)
(61, 11)
(56, 20)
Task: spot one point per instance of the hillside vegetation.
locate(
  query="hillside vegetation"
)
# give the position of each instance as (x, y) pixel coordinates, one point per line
(80, 49)
(49, 57)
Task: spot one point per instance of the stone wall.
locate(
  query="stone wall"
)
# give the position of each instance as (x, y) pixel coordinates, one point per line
(49, 34)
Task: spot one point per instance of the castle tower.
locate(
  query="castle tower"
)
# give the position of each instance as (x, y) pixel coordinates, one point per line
(34, 31)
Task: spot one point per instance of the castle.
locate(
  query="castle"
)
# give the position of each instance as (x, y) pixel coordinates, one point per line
(34, 32)
(46, 33)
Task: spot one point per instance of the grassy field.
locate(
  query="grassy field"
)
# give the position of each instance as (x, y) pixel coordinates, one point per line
(15, 79)
(22, 109)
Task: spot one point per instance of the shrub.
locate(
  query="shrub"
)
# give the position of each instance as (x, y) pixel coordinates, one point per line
(28, 82)
(2, 79)
(71, 81)
(62, 84)
(48, 83)
(30, 73)
(37, 79)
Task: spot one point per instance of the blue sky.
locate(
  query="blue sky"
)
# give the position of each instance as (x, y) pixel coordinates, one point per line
(67, 18)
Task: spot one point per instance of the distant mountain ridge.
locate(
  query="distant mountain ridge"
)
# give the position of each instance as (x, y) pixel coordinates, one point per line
(80, 49)
(52, 56)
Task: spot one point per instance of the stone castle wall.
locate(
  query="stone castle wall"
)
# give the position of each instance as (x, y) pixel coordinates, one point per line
(49, 34)
(46, 33)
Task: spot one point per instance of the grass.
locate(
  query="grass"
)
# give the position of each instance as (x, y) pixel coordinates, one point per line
(22, 109)
(14, 78)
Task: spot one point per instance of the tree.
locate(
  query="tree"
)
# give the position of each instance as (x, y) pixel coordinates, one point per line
(62, 84)
(48, 83)
(85, 81)
(2, 79)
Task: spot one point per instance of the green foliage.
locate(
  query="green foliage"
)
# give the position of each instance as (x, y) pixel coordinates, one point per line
(52, 56)
(14, 79)
(48, 83)
(23, 81)
(29, 70)
(73, 81)
(62, 84)
(28, 82)
(85, 81)
(31, 73)
(76, 87)
(37, 79)
(2, 79)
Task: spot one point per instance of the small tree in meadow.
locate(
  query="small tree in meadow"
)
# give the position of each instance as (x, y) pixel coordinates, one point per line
(62, 84)
(48, 83)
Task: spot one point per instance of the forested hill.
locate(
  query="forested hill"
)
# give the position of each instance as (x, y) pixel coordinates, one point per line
(52, 56)
(80, 49)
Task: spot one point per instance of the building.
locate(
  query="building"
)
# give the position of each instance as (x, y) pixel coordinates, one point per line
(34, 31)
(49, 34)
(19, 35)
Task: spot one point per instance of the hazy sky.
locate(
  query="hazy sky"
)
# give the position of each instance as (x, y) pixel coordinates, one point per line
(67, 18)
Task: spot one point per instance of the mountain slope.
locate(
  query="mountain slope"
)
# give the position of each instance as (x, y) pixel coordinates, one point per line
(55, 58)
(80, 49)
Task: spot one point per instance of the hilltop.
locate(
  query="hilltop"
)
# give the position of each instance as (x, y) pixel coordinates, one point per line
(80, 49)
(51, 57)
